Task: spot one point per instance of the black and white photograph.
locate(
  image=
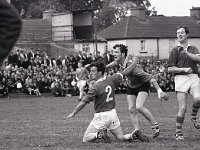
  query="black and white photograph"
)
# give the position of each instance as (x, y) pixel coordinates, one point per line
(99, 74)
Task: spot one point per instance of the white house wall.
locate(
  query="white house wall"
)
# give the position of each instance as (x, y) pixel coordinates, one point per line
(164, 48)
(112, 43)
(195, 42)
(152, 46)
(134, 47)
(101, 47)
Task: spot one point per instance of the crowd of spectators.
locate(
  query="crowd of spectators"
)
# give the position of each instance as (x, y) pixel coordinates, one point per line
(35, 73)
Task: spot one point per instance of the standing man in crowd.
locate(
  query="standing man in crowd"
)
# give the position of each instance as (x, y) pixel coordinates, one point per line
(10, 27)
(102, 93)
(185, 68)
(138, 86)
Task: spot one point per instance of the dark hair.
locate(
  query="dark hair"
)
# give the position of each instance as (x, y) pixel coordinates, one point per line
(184, 27)
(100, 66)
(123, 48)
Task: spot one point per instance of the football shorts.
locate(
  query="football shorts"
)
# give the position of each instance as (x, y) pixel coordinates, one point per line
(81, 83)
(143, 88)
(183, 83)
(107, 119)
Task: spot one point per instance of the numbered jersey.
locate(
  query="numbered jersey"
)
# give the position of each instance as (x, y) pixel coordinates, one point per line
(102, 93)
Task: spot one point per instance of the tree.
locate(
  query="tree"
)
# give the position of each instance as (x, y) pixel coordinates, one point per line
(113, 11)
(34, 11)
(107, 12)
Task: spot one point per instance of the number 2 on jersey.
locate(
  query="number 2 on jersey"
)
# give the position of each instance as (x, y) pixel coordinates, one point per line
(109, 90)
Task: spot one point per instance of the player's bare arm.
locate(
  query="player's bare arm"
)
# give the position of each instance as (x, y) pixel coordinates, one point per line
(161, 95)
(194, 57)
(78, 108)
(112, 65)
(174, 69)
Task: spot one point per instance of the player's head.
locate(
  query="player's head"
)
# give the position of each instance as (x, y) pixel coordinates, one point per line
(120, 51)
(80, 63)
(97, 70)
(182, 33)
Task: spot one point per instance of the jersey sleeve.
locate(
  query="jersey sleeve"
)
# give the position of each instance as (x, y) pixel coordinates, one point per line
(91, 95)
(172, 57)
(196, 51)
(117, 79)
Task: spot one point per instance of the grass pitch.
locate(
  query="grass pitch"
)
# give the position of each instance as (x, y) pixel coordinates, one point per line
(39, 123)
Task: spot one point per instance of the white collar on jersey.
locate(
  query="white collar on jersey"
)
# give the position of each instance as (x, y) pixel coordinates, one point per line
(183, 47)
(101, 79)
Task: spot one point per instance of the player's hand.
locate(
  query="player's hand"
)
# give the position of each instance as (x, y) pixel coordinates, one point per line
(188, 70)
(164, 96)
(71, 115)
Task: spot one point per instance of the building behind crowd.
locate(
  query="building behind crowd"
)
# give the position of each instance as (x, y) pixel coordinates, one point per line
(145, 36)
(151, 36)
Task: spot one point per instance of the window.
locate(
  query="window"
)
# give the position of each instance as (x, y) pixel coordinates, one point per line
(143, 46)
(86, 48)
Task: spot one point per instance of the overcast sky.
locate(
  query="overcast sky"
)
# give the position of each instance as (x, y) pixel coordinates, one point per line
(174, 7)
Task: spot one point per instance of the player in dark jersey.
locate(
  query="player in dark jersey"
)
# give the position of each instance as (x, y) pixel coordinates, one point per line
(184, 63)
(138, 86)
(102, 93)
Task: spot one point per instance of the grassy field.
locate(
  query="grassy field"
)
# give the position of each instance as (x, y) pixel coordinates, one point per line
(39, 123)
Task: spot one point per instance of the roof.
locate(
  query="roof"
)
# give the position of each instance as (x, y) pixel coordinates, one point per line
(153, 27)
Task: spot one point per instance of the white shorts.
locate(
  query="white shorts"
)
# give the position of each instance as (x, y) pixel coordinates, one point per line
(108, 119)
(183, 83)
(81, 83)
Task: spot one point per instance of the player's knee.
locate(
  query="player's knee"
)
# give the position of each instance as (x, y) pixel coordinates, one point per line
(120, 137)
(132, 110)
(87, 139)
(183, 110)
(139, 108)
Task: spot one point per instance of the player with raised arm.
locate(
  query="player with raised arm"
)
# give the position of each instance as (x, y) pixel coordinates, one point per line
(138, 86)
(102, 93)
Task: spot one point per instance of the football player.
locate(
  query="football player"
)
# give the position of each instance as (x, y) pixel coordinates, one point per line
(138, 86)
(102, 93)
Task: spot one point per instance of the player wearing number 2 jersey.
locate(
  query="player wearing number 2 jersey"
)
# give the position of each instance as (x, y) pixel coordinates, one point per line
(102, 93)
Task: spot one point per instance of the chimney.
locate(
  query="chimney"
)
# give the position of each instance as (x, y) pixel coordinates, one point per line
(138, 12)
(195, 11)
(47, 14)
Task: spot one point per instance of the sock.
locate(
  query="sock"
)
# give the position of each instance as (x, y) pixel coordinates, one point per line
(179, 123)
(155, 125)
(127, 137)
(195, 108)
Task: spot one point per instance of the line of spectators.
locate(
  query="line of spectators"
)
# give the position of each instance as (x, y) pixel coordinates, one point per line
(36, 73)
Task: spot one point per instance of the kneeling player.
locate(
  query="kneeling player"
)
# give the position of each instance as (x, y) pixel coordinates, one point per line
(102, 93)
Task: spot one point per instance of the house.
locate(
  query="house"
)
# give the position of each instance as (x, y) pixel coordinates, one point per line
(151, 36)
(92, 45)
